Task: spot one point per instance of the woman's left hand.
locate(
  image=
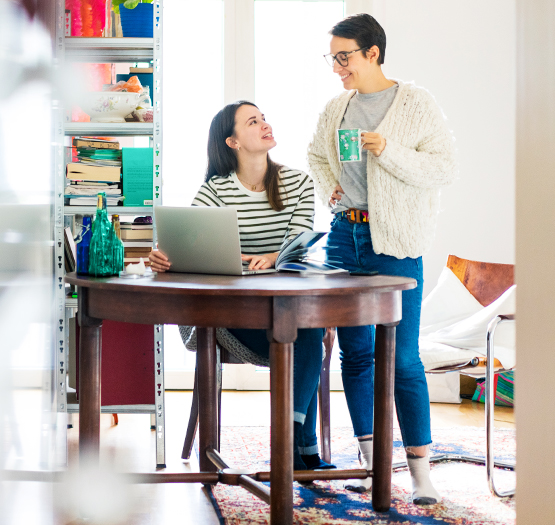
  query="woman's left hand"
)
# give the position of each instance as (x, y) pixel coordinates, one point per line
(260, 262)
(373, 142)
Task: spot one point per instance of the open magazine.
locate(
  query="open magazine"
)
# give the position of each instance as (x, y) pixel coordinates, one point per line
(302, 254)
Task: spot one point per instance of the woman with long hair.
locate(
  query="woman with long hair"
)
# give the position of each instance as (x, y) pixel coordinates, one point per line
(274, 204)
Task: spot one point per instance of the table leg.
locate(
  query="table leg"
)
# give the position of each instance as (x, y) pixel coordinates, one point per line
(281, 474)
(383, 416)
(90, 346)
(208, 396)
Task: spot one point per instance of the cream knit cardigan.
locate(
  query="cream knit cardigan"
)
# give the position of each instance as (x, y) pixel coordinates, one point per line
(404, 181)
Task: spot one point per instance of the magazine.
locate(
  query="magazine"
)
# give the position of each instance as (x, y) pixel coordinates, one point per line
(302, 254)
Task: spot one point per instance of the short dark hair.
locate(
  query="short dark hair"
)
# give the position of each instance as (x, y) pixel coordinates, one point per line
(222, 160)
(365, 29)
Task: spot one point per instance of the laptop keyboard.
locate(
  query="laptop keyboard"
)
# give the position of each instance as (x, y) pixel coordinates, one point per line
(246, 270)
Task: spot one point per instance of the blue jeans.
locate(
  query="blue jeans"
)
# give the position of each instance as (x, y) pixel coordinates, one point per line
(307, 363)
(309, 445)
(352, 245)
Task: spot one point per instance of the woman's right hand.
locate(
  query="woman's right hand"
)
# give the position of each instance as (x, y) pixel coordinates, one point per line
(336, 195)
(158, 261)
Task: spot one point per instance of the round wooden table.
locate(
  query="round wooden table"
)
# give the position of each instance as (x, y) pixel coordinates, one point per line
(280, 303)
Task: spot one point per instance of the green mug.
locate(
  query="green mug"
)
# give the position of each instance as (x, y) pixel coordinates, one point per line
(349, 144)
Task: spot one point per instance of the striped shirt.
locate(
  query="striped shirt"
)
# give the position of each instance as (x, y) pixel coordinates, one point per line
(261, 228)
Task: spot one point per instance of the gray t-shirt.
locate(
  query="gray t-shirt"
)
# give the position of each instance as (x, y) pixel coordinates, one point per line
(365, 111)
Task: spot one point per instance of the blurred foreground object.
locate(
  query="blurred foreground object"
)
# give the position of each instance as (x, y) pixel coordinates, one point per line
(29, 429)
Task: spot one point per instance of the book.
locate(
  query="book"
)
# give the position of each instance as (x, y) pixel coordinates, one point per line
(88, 191)
(139, 248)
(137, 176)
(90, 142)
(137, 244)
(70, 251)
(99, 157)
(81, 171)
(129, 235)
(134, 247)
(141, 70)
(91, 183)
(143, 254)
(93, 162)
(302, 254)
(135, 226)
(78, 200)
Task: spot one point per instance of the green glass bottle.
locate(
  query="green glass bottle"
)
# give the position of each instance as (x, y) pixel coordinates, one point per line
(104, 249)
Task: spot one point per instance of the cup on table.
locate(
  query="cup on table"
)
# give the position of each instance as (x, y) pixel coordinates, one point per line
(349, 144)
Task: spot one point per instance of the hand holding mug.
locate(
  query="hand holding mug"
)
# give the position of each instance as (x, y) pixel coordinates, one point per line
(373, 142)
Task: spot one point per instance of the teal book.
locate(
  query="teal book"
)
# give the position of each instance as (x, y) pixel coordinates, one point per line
(137, 164)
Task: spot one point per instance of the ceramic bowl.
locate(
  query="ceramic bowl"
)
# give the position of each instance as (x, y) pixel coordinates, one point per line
(109, 106)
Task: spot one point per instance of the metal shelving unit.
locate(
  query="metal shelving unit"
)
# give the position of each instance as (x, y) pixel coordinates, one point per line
(109, 129)
(107, 50)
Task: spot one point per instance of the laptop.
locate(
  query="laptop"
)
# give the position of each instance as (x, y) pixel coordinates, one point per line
(200, 239)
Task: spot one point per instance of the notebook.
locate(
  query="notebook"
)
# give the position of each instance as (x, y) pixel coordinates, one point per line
(200, 239)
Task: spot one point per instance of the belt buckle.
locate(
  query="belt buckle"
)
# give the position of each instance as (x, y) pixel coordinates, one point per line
(353, 215)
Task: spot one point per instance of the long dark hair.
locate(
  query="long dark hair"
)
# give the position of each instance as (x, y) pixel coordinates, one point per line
(222, 159)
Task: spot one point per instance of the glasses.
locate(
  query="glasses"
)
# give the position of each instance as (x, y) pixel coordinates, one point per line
(342, 58)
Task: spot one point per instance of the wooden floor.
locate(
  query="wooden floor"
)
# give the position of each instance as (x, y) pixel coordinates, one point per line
(130, 447)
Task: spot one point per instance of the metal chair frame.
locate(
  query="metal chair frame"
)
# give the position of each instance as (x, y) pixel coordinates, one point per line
(489, 460)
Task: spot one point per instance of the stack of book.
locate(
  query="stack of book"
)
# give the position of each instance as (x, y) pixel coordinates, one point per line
(98, 169)
(137, 241)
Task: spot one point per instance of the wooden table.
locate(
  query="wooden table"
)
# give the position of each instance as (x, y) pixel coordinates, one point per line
(280, 303)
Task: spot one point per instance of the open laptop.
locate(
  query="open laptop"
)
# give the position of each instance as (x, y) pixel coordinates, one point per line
(200, 239)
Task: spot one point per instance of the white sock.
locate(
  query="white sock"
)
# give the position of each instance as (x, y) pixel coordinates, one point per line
(366, 450)
(423, 492)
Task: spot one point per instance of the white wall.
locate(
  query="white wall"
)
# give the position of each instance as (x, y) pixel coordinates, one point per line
(464, 54)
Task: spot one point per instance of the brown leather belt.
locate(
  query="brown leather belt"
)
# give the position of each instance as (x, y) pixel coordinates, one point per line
(354, 215)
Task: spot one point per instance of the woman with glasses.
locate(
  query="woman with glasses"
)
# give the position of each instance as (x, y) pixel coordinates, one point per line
(385, 209)
(274, 204)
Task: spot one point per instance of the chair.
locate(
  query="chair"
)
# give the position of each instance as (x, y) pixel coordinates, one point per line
(486, 282)
(226, 357)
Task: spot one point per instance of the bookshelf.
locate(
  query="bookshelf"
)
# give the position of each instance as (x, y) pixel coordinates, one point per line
(105, 50)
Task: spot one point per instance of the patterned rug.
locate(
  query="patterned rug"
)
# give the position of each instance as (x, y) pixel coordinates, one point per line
(466, 498)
